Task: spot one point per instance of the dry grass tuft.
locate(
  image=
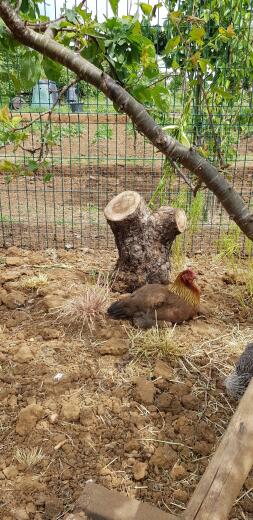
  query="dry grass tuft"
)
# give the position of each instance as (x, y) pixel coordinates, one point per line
(154, 342)
(84, 309)
(222, 352)
(34, 282)
(29, 457)
(244, 290)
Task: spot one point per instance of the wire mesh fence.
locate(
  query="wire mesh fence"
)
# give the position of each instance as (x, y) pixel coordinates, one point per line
(95, 153)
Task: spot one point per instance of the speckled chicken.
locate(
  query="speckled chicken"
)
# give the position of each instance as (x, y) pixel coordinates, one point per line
(237, 382)
(153, 303)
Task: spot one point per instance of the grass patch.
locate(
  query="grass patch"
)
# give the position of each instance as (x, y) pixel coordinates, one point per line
(85, 309)
(34, 282)
(29, 457)
(155, 342)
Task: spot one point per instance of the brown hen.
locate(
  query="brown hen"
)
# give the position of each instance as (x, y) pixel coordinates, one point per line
(155, 302)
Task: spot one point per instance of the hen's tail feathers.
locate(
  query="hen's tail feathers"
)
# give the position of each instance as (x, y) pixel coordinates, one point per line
(119, 311)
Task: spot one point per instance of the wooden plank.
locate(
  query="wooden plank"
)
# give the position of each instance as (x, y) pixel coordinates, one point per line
(225, 475)
(99, 503)
(75, 118)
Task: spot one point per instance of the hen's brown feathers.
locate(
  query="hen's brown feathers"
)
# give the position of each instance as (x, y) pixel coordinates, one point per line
(152, 302)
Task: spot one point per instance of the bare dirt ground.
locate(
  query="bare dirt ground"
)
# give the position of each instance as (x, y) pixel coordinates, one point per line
(79, 405)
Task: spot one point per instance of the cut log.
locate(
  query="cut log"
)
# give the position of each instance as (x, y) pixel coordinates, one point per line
(143, 240)
(228, 469)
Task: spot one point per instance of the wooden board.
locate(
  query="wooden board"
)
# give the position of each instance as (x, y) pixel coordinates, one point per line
(225, 475)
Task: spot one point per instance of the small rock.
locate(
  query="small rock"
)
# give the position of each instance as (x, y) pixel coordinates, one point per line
(23, 355)
(202, 448)
(131, 445)
(3, 293)
(181, 495)
(190, 402)
(10, 472)
(164, 457)
(164, 401)
(2, 477)
(163, 370)
(71, 410)
(53, 507)
(50, 333)
(178, 472)
(87, 417)
(13, 402)
(20, 514)
(8, 274)
(27, 418)
(139, 470)
(14, 299)
(53, 302)
(145, 391)
(14, 260)
(53, 418)
(114, 347)
(14, 250)
(17, 317)
(30, 508)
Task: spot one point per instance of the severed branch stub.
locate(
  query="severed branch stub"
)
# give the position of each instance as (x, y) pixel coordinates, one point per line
(143, 240)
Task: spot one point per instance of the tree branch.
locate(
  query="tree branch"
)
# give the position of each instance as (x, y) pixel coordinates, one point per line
(171, 148)
(42, 26)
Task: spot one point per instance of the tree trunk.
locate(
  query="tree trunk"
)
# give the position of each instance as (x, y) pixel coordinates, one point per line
(143, 239)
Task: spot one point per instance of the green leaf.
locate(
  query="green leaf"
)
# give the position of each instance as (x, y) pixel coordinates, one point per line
(203, 64)
(52, 69)
(175, 64)
(230, 31)
(8, 166)
(195, 58)
(160, 96)
(184, 139)
(16, 81)
(30, 69)
(171, 44)
(114, 6)
(70, 15)
(5, 115)
(197, 34)
(146, 9)
(32, 165)
(175, 17)
(47, 177)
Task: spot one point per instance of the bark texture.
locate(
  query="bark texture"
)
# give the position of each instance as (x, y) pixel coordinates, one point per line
(229, 198)
(143, 240)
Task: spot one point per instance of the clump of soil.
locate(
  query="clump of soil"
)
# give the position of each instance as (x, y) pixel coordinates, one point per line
(79, 405)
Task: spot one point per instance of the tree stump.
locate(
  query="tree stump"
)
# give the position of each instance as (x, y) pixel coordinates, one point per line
(143, 240)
